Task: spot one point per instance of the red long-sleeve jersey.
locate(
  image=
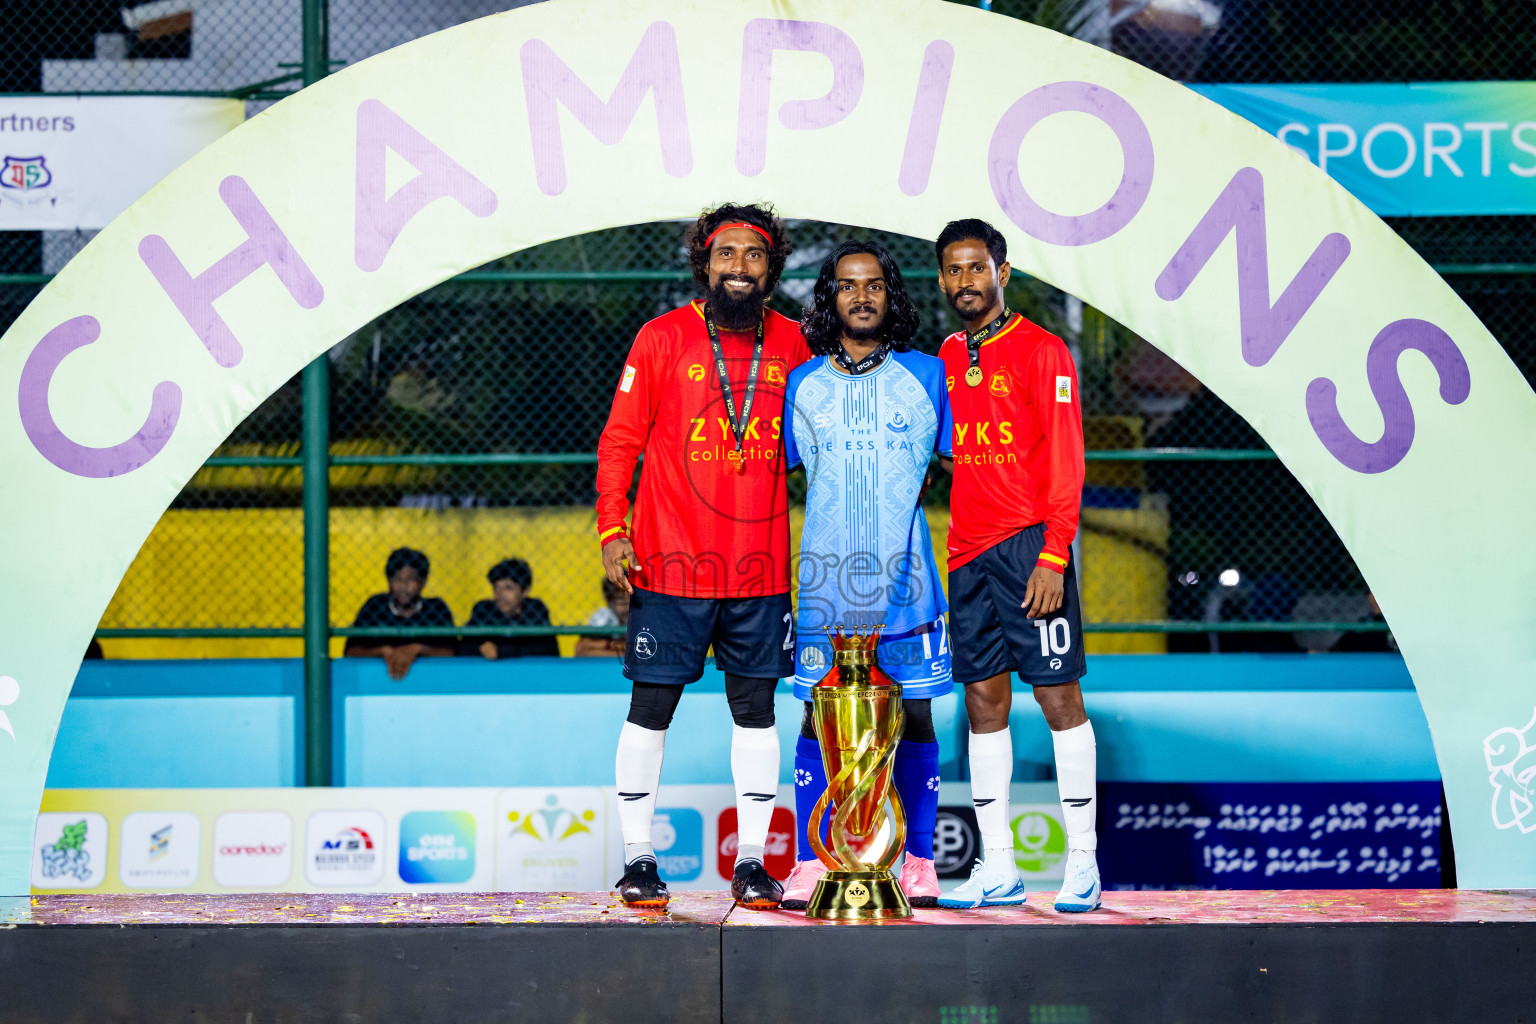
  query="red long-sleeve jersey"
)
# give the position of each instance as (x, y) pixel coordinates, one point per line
(700, 528)
(1018, 443)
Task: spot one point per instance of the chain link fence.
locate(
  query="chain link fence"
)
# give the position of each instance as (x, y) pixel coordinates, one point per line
(464, 422)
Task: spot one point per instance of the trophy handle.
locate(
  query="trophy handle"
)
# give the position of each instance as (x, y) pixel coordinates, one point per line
(894, 811)
(813, 827)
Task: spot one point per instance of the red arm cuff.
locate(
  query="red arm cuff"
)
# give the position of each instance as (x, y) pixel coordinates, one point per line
(1055, 563)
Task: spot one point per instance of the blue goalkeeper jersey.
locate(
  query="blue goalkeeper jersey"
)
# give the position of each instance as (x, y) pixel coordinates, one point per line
(866, 556)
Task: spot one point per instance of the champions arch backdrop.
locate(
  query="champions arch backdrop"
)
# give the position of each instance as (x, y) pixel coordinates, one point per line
(1235, 256)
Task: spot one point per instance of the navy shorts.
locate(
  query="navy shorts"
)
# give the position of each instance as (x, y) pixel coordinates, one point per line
(670, 636)
(989, 632)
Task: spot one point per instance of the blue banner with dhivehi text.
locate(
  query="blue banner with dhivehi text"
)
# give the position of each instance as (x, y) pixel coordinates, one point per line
(1418, 149)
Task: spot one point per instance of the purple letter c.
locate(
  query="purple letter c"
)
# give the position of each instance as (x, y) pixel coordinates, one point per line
(1085, 98)
(49, 440)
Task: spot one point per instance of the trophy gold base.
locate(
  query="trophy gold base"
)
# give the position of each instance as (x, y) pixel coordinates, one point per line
(858, 896)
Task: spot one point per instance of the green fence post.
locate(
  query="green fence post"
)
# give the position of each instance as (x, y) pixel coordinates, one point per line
(317, 499)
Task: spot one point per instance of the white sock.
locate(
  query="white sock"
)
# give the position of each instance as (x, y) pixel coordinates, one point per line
(1076, 778)
(637, 771)
(991, 775)
(755, 770)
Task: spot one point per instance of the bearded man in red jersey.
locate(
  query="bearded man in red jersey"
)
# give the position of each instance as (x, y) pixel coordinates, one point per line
(706, 557)
(1018, 482)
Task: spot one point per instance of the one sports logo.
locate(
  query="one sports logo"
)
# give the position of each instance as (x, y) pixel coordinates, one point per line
(25, 173)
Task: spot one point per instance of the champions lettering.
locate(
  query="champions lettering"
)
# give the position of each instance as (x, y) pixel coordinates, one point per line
(654, 69)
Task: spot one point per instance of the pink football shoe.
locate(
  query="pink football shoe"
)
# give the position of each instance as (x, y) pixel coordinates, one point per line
(919, 882)
(802, 883)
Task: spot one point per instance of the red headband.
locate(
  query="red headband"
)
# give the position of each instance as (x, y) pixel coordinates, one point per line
(738, 224)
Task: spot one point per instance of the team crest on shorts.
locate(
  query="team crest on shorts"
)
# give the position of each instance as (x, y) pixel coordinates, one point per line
(645, 645)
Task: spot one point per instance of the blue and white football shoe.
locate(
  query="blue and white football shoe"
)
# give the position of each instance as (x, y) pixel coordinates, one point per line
(993, 883)
(1080, 888)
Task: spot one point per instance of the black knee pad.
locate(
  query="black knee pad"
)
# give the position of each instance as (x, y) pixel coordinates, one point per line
(651, 705)
(751, 700)
(919, 727)
(807, 723)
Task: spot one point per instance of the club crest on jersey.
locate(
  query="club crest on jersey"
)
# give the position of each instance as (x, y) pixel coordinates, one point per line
(1064, 389)
(999, 385)
(696, 371)
(897, 424)
(774, 374)
(25, 173)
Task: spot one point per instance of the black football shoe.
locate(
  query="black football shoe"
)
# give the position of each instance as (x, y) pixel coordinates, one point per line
(641, 886)
(754, 888)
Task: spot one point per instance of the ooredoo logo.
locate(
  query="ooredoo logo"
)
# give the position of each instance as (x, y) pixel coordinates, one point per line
(779, 851)
(342, 848)
(252, 848)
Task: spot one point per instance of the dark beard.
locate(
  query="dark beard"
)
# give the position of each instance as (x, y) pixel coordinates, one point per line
(988, 297)
(735, 314)
(864, 333)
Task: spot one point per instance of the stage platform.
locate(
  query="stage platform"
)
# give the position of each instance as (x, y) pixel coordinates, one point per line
(1284, 956)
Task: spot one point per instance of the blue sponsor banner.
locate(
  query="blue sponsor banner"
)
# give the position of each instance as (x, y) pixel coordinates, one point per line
(1417, 149)
(1270, 835)
(679, 843)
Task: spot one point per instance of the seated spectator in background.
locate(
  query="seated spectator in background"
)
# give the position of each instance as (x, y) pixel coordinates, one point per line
(510, 605)
(407, 571)
(615, 612)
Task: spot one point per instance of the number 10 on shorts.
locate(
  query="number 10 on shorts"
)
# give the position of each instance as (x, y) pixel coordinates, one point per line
(1052, 639)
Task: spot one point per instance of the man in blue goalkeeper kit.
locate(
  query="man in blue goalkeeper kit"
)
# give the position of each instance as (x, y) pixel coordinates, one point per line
(864, 418)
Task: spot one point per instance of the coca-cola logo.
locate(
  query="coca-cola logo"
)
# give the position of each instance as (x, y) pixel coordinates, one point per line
(778, 850)
(258, 850)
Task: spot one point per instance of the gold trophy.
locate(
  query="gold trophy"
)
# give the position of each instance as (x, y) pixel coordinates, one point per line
(857, 712)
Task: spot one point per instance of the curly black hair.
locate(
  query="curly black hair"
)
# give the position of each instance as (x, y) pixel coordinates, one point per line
(759, 215)
(822, 326)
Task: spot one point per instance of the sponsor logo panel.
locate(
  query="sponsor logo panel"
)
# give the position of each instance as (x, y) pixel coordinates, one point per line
(437, 847)
(344, 848)
(252, 849)
(956, 841)
(551, 840)
(159, 849)
(69, 850)
(779, 852)
(678, 838)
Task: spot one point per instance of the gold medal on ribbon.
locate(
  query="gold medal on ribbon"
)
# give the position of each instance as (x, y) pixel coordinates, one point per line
(973, 376)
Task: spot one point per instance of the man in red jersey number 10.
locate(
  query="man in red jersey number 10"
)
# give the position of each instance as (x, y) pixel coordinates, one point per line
(706, 555)
(1018, 482)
